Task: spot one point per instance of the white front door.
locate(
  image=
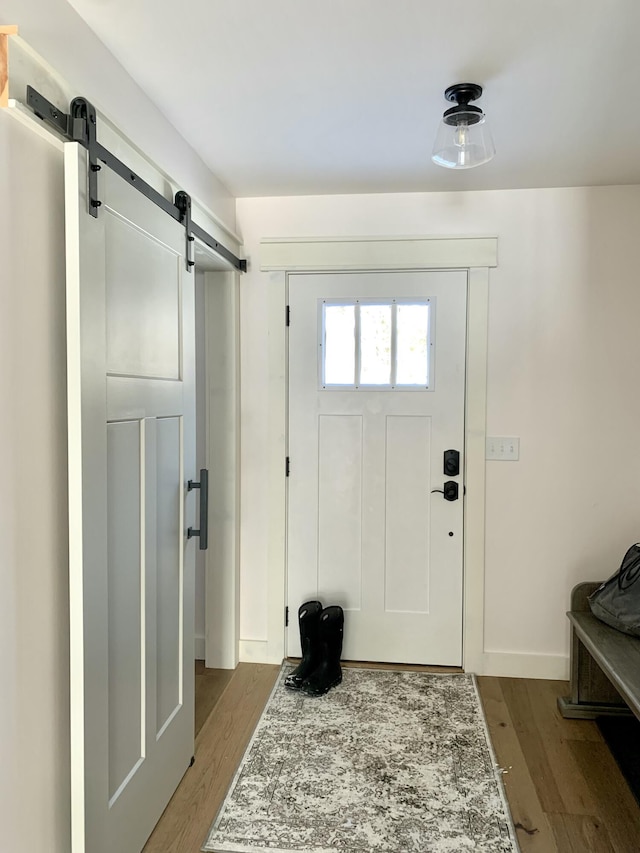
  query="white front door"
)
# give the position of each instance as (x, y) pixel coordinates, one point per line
(376, 398)
(130, 317)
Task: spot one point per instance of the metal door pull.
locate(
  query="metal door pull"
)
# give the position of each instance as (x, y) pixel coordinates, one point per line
(203, 532)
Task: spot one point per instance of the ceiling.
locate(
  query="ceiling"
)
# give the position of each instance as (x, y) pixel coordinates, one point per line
(291, 97)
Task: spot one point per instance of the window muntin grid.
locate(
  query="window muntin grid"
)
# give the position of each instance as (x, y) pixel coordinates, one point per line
(375, 344)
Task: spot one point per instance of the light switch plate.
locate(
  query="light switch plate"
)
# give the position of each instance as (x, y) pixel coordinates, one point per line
(503, 448)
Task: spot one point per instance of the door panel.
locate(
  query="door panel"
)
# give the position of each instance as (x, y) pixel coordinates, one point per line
(340, 504)
(365, 529)
(143, 302)
(407, 514)
(130, 309)
(124, 606)
(169, 571)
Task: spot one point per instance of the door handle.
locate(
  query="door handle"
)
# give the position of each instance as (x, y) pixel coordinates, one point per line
(203, 532)
(450, 490)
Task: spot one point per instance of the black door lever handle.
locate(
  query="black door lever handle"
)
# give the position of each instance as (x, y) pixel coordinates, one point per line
(449, 490)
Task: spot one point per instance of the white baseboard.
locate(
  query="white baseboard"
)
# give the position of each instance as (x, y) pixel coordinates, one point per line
(505, 664)
(515, 665)
(199, 648)
(254, 651)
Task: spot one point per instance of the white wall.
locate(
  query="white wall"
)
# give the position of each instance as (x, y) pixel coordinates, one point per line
(34, 613)
(56, 31)
(562, 366)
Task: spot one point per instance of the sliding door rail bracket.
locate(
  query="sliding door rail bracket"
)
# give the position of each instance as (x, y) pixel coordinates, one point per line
(80, 125)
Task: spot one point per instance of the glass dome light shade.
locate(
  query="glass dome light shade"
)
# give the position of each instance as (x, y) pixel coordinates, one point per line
(462, 143)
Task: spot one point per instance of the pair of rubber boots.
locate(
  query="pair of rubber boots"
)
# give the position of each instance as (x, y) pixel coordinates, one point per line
(321, 631)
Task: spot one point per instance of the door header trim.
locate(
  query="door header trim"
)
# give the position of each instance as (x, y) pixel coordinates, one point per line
(362, 253)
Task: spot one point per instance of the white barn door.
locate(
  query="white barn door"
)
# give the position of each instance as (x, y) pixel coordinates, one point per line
(131, 392)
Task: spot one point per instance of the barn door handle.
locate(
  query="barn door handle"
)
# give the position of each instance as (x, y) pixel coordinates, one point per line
(203, 532)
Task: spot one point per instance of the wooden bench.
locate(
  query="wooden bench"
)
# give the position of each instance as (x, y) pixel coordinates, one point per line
(605, 665)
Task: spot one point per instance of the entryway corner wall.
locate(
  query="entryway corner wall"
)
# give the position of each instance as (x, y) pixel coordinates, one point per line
(561, 375)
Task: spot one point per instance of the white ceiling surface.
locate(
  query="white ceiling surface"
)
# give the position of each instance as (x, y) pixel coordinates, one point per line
(291, 97)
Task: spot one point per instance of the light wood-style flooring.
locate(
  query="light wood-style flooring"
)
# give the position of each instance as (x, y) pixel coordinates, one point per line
(564, 788)
(565, 791)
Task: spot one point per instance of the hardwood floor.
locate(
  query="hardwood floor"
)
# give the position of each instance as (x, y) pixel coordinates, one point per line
(220, 746)
(565, 791)
(564, 788)
(210, 685)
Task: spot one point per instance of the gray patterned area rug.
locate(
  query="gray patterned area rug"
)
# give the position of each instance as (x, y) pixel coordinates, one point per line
(387, 762)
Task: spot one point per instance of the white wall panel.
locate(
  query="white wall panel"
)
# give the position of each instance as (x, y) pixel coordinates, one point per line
(34, 608)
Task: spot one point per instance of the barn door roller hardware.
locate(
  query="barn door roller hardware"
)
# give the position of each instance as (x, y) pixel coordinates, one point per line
(80, 125)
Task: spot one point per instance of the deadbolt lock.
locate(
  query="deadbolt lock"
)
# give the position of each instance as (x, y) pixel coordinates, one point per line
(451, 463)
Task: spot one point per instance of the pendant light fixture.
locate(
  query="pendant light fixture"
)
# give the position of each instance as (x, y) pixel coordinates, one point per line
(464, 139)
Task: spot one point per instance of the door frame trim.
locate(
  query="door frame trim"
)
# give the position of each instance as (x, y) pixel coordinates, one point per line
(477, 255)
(222, 439)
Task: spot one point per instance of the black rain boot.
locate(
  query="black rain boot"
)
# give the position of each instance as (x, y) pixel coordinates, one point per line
(308, 620)
(328, 673)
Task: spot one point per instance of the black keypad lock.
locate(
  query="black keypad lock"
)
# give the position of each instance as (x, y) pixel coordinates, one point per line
(451, 463)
